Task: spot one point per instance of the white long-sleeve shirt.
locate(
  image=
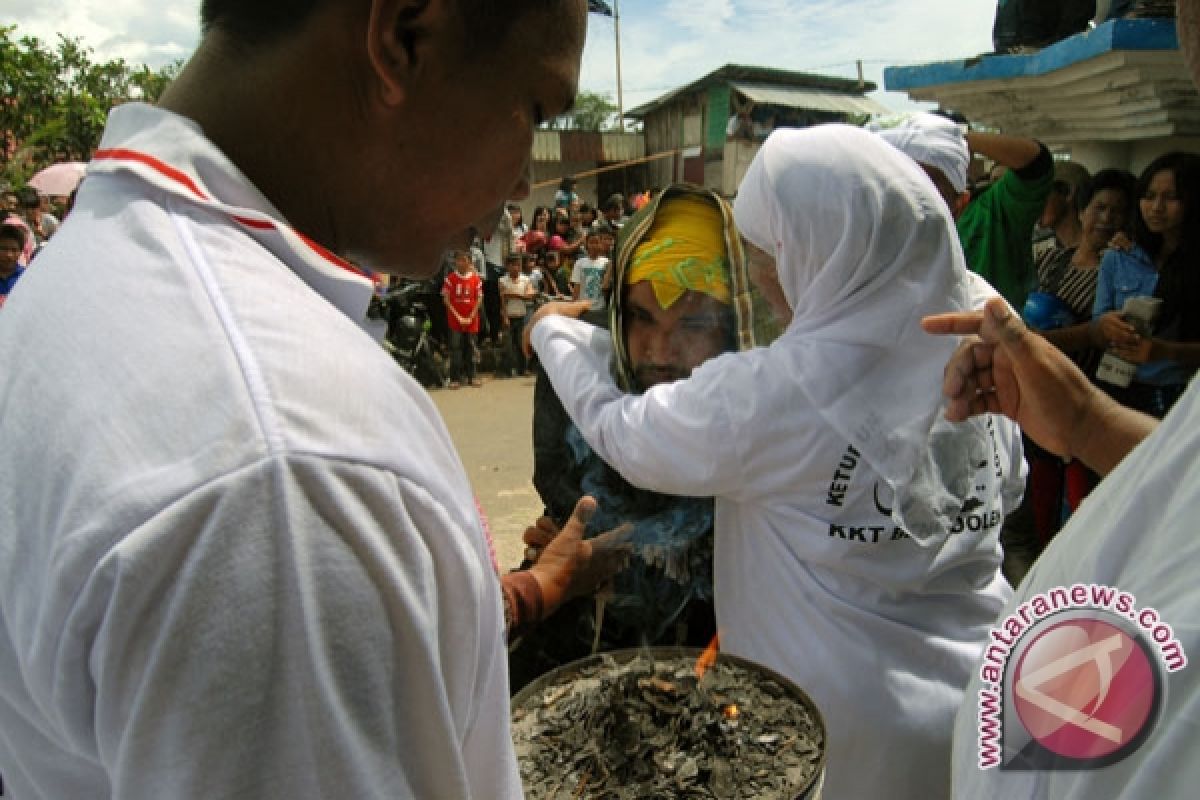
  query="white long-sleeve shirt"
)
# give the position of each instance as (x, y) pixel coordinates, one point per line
(238, 554)
(812, 577)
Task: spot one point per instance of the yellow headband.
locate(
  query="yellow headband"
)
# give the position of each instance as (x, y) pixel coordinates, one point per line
(683, 250)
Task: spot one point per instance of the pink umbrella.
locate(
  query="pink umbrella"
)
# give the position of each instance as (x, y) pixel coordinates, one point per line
(59, 180)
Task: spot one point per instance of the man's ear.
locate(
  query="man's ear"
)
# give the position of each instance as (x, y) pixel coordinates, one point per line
(399, 33)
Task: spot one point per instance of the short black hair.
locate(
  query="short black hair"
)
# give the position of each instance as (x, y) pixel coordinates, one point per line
(28, 197)
(14, 233)
(256, 22)
(1118, 179)
(262, 21)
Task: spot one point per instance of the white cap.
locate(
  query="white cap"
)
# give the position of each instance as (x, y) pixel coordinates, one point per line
(931, 140)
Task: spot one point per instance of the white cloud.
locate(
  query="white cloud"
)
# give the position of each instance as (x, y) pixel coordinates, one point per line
(139, 31)
(702, 17)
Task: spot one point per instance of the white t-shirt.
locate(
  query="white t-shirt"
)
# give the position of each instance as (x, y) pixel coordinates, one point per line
(514, 306)
(589, 275)
(812, 577)
(223, 571)
(1136, 533)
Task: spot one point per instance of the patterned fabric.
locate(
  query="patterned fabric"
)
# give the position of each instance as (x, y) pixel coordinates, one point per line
(1076, 286)
(684, 250)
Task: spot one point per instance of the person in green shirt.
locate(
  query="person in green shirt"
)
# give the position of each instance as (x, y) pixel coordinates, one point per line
(995, 225)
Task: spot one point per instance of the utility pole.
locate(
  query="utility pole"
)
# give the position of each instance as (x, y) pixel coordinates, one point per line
(620, 96)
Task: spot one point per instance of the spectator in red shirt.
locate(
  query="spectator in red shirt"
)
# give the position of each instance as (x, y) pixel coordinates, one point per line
(463, 293)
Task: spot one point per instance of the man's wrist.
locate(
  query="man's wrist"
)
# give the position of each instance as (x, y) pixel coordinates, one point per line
(1106, 432)
(524, 602)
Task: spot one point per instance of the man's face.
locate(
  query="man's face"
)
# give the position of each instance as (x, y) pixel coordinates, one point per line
(462, 262)
(10, 251)
(425, 158)
(514, 268)
(665, 345)
(1106, 213)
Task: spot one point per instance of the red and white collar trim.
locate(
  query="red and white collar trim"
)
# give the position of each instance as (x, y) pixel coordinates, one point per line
(159, 170)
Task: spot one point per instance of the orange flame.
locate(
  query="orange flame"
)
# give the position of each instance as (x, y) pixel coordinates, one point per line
(707, 658)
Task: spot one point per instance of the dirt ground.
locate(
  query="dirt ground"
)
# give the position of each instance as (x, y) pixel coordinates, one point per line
(492, 429)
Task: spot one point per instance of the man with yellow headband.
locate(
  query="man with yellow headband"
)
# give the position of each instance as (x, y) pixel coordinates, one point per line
(681, 297)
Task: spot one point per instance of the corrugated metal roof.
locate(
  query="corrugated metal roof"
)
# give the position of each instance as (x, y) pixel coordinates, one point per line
(755, 75)
(809, 99)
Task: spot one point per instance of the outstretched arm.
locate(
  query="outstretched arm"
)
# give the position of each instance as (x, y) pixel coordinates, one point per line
(675, 438)
(1005, 368)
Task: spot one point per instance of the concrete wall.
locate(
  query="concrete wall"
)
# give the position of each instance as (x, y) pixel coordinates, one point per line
(1133, 156)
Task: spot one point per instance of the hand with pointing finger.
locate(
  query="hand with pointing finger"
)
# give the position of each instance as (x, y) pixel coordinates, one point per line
(1004, 368)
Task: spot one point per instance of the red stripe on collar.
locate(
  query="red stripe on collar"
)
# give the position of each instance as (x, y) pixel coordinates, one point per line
(123, 154)
(185, 180)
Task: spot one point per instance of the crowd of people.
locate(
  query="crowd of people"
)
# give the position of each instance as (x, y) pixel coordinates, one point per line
(29, 220)
(563, 253)
(798, 423)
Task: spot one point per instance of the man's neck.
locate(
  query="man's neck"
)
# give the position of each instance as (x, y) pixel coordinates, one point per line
(263, 121)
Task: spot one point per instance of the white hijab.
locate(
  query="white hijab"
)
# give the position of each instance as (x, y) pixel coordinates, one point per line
(864, 248)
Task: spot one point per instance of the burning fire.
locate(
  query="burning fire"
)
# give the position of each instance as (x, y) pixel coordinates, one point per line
(707, 658)
(731, 712)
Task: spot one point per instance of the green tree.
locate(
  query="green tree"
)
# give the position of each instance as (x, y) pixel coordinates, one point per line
(592, 112)
(55, 100)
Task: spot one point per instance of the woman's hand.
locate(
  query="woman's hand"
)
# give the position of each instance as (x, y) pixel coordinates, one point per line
(1111, 330)
(1139, 351)
(572, 308)
(1120, 241)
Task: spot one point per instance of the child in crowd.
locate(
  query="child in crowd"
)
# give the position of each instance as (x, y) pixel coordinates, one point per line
(548, 284)
(463, 294)
(591, 274)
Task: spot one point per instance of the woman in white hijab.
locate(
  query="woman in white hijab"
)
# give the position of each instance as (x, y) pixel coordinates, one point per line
(856, 532)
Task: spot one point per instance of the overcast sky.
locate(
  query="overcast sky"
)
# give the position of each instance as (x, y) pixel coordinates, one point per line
(664, 43)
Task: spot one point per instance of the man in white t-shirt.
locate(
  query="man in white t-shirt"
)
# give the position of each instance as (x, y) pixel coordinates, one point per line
(515, 293)
(239, 556)
(590, 275)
